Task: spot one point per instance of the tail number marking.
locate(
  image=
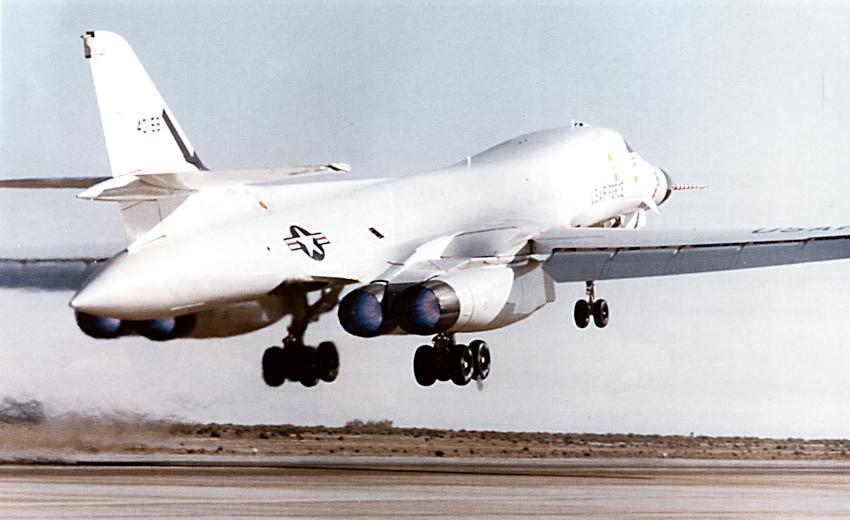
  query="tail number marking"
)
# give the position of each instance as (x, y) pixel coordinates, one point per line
(149, 124)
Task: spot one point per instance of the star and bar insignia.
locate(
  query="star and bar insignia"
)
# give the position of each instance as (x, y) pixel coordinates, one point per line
(313, 244)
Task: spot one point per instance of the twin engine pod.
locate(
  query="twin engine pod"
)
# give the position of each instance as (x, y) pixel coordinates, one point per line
(160, 329)
(378, 308)
(221, 322)
(466, 301)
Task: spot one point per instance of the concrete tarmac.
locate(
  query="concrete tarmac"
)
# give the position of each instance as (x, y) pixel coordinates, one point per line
(375, 487)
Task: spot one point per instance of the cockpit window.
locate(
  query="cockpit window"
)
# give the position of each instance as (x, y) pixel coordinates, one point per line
(628, 146)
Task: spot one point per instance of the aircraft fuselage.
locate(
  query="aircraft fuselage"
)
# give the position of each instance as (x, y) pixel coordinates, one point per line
(580, 176)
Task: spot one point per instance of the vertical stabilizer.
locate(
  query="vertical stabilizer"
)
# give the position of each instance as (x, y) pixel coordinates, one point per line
(142, 135)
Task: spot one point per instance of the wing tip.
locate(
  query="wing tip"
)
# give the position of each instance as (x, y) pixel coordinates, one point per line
(340, 167)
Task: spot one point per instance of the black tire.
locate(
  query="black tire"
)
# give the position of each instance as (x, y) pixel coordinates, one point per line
(461, 366)
(308, 373)
(425, 365)
(327, 361)
(480, 360)
(291, 362)
(273, 366)
(442, 363)
(581, 313)
(600, 313)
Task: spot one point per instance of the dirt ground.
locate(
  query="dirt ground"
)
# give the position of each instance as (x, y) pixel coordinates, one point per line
(75, 435)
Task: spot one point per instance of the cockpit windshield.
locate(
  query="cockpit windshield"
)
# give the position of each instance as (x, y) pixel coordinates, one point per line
(628, 146)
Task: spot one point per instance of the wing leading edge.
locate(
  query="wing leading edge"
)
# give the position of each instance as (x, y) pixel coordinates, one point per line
(582, 254)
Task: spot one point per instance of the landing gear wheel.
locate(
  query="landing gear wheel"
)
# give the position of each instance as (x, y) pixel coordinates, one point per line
(327, 361)
(447, 360)
(442, 363)
(296, 361)
(581, 313)
(600, 313)
(461, 364)
(425, 365)
(308, 373)
(480, 360)
(274, 364)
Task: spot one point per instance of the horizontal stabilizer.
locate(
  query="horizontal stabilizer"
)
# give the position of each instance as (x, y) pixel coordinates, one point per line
(157, 185)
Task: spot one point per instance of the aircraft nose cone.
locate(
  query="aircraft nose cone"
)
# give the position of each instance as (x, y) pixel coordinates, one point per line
(668, 182)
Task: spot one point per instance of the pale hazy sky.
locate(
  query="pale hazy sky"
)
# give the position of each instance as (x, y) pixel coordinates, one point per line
(753, 101)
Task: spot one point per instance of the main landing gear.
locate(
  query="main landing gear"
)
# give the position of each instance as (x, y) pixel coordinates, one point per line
(448, 360)
(591, 307)
(296, 361)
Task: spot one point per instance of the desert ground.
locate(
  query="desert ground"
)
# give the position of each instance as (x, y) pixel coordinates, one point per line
(129, 466)
(29, 438)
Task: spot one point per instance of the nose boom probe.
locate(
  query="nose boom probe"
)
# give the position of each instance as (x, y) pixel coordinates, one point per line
(682, 187)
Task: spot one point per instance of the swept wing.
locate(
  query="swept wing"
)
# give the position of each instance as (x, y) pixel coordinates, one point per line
(581, 254)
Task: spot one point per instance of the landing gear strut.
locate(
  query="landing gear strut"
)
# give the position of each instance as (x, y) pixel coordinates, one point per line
(296, 361)
(591, 307)
(447, 360)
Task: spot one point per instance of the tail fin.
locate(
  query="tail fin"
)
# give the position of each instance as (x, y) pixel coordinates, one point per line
(142, 135)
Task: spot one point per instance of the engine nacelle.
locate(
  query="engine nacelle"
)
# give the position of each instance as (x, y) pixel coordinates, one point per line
(160, 329)
(100, 327)
(229, 320)
(240, 318)
(474, 299)
(164, 329)
(366, 312)
(428, 308)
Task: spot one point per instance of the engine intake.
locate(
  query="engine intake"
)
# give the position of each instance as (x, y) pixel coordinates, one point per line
(427, 308)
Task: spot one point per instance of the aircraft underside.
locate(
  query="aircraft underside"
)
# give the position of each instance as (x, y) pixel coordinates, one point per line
(444, 359)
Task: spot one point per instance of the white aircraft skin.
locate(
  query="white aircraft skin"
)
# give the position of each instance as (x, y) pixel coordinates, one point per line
(542, 180)
(474, 246)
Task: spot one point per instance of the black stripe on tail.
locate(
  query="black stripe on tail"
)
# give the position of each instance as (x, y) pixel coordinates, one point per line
(191, 159)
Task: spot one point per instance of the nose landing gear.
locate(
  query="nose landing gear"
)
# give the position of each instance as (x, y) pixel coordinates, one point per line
(591, 307)
(447, 360)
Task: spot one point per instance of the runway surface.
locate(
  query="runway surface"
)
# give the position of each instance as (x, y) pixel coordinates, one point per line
(369, 487)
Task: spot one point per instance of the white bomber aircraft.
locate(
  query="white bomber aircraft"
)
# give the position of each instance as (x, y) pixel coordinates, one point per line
(471, 247)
